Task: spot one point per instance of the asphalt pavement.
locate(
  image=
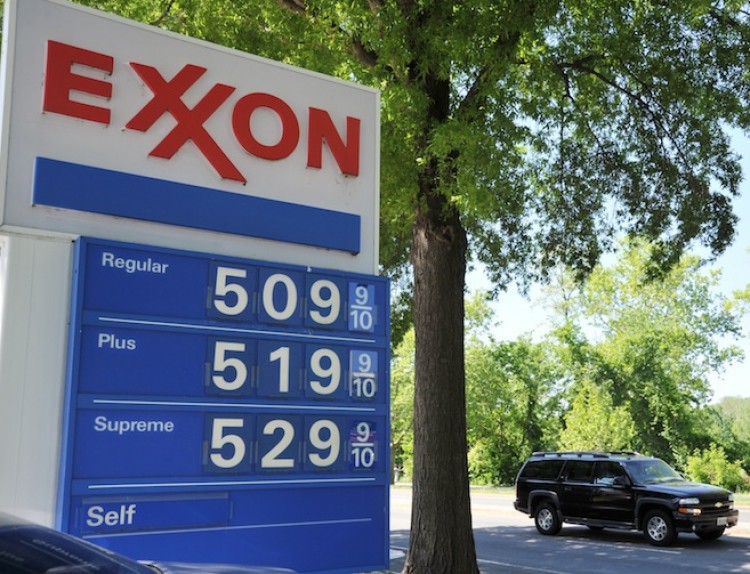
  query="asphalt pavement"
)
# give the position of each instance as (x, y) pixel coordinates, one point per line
(490, 510)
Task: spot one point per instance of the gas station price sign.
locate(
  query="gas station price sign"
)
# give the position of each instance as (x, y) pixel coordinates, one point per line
(227, 410)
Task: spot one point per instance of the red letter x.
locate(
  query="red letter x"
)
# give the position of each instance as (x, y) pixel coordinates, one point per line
(167, 98)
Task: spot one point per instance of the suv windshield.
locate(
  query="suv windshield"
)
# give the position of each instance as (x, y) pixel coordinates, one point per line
(653, 471)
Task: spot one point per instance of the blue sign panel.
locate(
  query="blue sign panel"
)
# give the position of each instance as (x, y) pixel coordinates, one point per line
(86, 188)
(227, 411)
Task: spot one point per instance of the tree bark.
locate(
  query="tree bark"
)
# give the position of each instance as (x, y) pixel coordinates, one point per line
(442, 541)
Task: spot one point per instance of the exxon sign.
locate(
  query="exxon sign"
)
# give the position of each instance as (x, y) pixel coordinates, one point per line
(112, 128)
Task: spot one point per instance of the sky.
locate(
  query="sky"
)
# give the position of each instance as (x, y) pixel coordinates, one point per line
(518, 315)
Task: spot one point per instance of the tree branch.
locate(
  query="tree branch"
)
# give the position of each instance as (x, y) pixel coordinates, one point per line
(357, 48)
(405, 6)
(375, 5)
(503, 47)
(360, 51)
(296, 6)
(604, 154)
(644, 104)
(164, 14)
(473, 92)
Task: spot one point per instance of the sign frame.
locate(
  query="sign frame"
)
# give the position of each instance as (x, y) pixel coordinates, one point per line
(106, 508)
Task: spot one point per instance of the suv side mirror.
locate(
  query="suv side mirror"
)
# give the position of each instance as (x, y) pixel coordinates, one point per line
(621, 481)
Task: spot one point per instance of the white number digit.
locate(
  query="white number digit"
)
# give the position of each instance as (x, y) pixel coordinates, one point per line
(364, 457)
(332, 303)
(272, 458)
(363, 432)
(219, 440)
(363, 319)
(332, 444)
(363, 381)
(332, 372)
(364, 363)
(224, 287)
(282, 356)
(363, 445)
(291, 297)
(222, 362)
(364, 387)
(361, 295)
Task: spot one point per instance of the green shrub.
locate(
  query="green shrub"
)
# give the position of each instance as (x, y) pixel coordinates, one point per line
(482, 467)
(711, 466)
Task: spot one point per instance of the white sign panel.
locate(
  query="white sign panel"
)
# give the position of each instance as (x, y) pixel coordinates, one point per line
(125, 132)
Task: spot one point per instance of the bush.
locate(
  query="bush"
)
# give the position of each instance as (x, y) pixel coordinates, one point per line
(711, 466)
(482, 467)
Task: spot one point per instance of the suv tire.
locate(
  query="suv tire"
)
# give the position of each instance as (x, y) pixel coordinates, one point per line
(546, 519)
(658, 528)
(710, 534)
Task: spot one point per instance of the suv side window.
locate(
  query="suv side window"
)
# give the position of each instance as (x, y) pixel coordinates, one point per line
(607, 471)
(579, 470)
(542, 469)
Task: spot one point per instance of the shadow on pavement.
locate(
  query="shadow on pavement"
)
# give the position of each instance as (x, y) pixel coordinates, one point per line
(499, 542)
(399, 546)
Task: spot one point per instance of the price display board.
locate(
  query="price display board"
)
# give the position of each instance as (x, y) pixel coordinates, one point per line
(227, 410)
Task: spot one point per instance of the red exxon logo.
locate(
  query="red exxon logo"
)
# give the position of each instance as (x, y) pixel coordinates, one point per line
(62, 79)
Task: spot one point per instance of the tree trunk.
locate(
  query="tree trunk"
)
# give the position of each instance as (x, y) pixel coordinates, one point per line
(442, 541)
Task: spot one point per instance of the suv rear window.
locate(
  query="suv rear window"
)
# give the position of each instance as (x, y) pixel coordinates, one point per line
(579, 470)
(544, 469)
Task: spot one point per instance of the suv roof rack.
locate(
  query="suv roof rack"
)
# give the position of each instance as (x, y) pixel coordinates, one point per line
(585, 453)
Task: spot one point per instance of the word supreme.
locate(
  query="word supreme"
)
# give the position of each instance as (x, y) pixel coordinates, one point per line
(63, 76)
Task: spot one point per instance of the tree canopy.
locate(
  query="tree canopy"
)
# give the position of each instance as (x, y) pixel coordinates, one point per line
(650, 345)
(625, 366)
(524, 134)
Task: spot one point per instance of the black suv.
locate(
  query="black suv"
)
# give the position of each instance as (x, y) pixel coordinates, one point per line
(620, 490)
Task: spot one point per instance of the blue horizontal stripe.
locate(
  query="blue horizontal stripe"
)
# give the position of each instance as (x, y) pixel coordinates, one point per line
(85, 188)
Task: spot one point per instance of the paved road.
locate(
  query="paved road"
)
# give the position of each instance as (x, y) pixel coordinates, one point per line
(507, 542)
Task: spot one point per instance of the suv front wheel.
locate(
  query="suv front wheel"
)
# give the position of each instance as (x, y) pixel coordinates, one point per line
(713, 534)
(546, 520)
(658, 528)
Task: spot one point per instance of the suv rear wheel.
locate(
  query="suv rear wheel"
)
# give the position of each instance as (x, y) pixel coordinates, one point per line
(546, 520)
(658, 528)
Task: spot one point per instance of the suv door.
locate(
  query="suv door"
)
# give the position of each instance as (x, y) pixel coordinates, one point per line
(577, 489)
(613, 499)
(534, 476)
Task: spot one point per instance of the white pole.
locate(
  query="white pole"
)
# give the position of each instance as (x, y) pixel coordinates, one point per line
(35, 280)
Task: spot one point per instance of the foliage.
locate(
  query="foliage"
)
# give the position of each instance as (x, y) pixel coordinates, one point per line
(512, 406)
(737, 410)
(712, 467)
(732, 416)
(574, 391)
(512, 403)
(402, 407)
(593, 423)
(651, 344)
(742, 297)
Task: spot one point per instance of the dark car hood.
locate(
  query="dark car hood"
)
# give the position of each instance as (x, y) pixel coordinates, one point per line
(685, 488)
(182, 568)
